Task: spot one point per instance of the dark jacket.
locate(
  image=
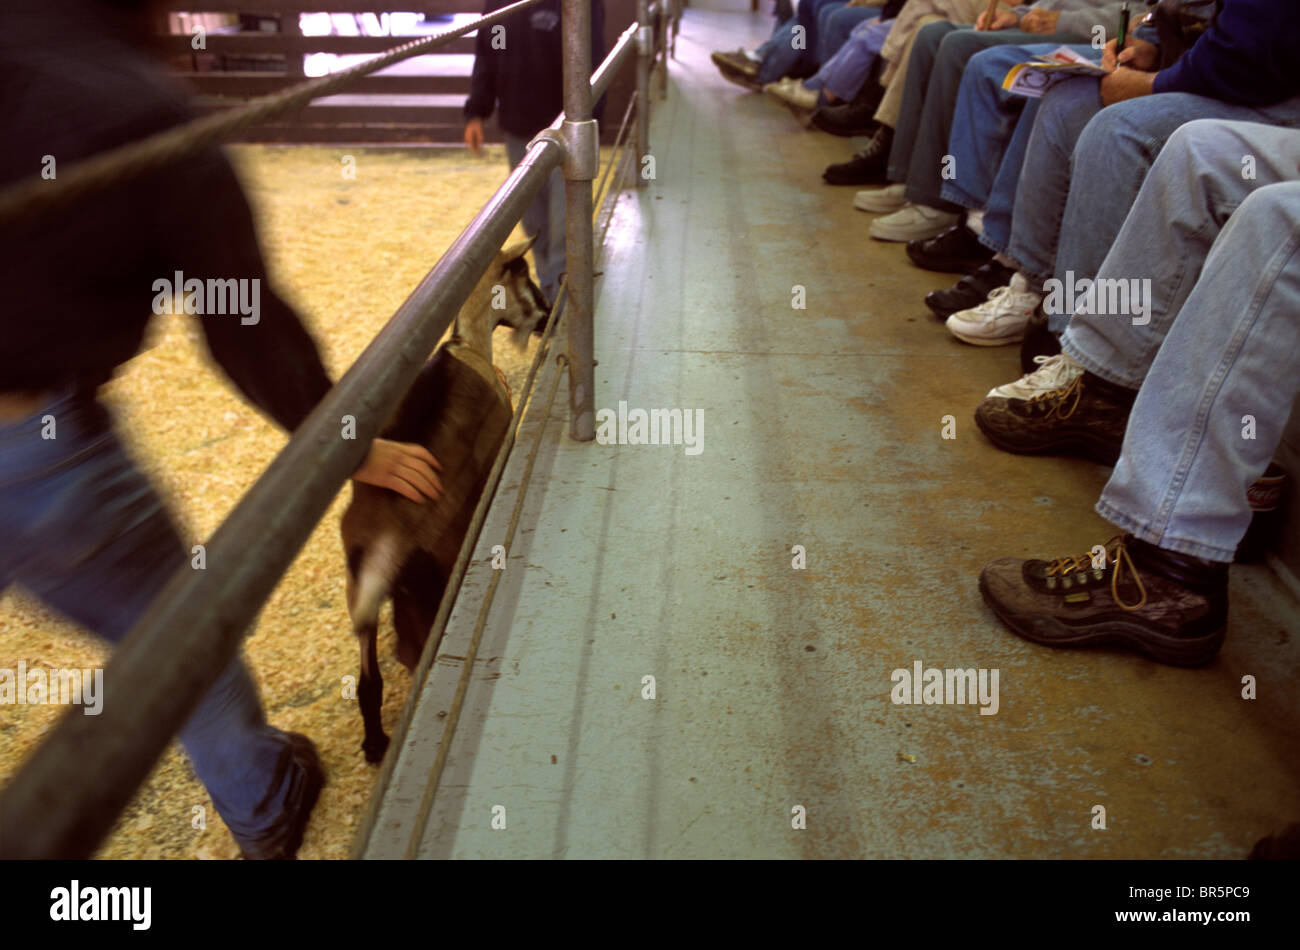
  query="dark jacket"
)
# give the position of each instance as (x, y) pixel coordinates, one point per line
(1250, 56)
(79, 281)
(523, 81)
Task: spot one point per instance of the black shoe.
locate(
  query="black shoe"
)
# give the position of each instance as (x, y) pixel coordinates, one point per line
(1038, 341)
(1282, 845)
(955, 251)
(738, 68)
(971, 291)
(1162, 604)
(283, 842)
(868, 167)
(844, 120)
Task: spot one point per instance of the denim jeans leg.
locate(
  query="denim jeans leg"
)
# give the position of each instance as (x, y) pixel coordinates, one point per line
(1194, 187)
(543, 221)
(916, 85)
(1063, 113)
(1233, 352)
(88, 535)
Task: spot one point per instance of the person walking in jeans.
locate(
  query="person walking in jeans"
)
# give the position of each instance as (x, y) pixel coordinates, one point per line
(81, 526)
(518, 74)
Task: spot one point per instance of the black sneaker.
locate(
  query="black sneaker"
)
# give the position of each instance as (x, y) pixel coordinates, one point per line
(1038, 341)
(868, 167)
(1086, 418)
(282, 844)
(845, 120)
(956, 251)
(1168, 606)
(971, 291)
(738, 68)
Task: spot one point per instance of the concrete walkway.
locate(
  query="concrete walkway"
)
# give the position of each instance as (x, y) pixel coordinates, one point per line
(821, 428)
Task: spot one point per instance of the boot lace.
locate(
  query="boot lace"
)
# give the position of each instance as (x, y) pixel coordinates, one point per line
(1116, 557)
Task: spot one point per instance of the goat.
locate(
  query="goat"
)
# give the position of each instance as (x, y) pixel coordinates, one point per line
(459, 409)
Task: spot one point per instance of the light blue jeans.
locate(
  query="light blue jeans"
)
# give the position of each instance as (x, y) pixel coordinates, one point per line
(544, 221)
(1085, 164)
(83, 529)
(990, 133)
(1222, 253)
(845, 72)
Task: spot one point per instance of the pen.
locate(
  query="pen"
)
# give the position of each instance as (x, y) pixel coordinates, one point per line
(1123, 29)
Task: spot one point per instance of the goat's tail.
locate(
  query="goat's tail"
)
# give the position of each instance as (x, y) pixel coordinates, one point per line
(373, 580)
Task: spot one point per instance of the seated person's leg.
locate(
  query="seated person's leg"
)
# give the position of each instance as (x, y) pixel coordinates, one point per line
(1179, 488)
(838, 26)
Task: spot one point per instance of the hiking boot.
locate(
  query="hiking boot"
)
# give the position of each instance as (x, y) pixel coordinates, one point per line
(1086, 418)
(1168, 606)
(868, 167)
(738, 68)
(970, 291)
(955, 251)
(282, 843)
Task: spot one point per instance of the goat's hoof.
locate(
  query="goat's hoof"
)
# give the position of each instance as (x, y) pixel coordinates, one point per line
(375, 749)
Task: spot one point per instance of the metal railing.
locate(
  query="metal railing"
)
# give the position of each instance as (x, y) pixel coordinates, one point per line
(68, 794)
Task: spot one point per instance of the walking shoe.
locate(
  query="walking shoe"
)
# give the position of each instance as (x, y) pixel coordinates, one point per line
(970, 290)
(737, 67)
(1053, 372)
(912, 222)
(282, 843)
(955, 251)
(998, 320)
(793, 93)
(1087, 417)
(845, 119)
(1168, 606)
(1267, 499)
(1038, 341)
(868, 167)
(1282, 845)
(880, 200)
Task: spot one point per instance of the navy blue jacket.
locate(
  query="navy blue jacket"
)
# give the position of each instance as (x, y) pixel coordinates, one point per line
(1250, 56)
(523, 81)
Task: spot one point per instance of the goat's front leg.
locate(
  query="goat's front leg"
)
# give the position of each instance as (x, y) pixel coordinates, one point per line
(370, 695)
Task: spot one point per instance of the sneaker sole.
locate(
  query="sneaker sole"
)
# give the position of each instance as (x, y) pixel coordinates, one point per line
(984, 341)
(1085, 446)
(1048, 631)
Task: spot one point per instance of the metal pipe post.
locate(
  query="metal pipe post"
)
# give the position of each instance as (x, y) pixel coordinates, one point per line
(645, 47)
(581, 162)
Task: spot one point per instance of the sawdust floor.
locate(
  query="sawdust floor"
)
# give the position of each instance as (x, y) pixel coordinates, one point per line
(346, 253)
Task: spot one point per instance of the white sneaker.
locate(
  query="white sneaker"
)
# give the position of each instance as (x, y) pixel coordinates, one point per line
(1000, 319)
(793, 93)
(1054, 372)
(880, 200)
(912, 222)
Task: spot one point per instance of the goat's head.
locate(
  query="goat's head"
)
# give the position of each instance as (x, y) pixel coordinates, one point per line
(516, 302)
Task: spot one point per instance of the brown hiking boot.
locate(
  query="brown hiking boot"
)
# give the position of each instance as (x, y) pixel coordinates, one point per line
(1085, 418)
(1168, 606)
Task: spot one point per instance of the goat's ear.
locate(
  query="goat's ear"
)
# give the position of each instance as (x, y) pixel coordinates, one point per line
(515, 251)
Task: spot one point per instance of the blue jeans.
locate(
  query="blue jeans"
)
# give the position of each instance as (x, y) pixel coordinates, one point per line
(845, 72)
(1221, 340)
(777, 55)
(835, 25)
(934, 73)
(990, 133)
(1073, 200)
(544, 221)
(85, 532)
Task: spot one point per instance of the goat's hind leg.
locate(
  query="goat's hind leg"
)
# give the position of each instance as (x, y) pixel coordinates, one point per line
(370, 695)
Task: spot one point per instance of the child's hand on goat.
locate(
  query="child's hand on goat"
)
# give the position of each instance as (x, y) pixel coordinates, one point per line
(403, 467)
